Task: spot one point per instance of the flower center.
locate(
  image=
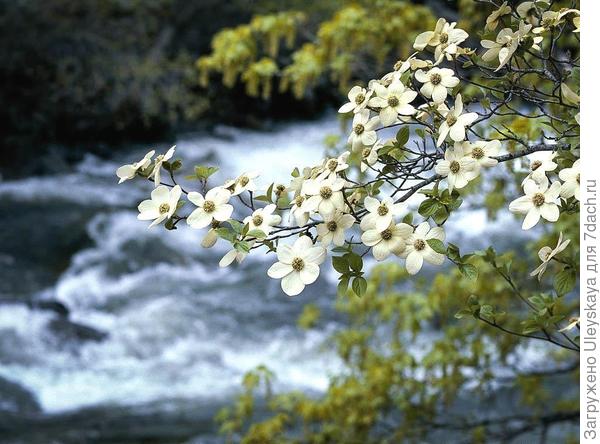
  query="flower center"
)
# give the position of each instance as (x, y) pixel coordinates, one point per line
(454, 166)
(360, 98)
(443, 38)
(279, 189)
(244, 181)
(366, 152)
(299, 200)
(538, 199)
(326, 192)
(419, 245)
(578, 177)
(477, 153)
(359, 129)
(298, 264)
(535, 165)
(435, 78)
(209, 206)
(332, 226)
(164, 208)
(257, 220)
(215, 224)
(382, 210)
(393, 101)
(451, 119)
(386, 234)
(332, 164)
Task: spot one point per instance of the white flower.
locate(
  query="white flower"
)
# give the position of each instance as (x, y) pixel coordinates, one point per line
(331, 167)
(492, 21)
(325, 195)
(482, 152)
(539, 200)
(212, 206)
(570, 178)
(392, 239)
(541, 162)
(527, 10)
(381, 214)
(333, 229)
(455, 122)
(393, 100)
(445, 38)
(546, 254)
(297, 183)
(263, 219)
(160, 159)
(369, 156)
(244, 183)
(417, 249)
(161, 205)
(507, 42)
(363, 130)
(127, 172)
(233, 255)
(298, 265)
(299, 212)
(359, 97)
(458, 168)
(436, 82)
(573, 322)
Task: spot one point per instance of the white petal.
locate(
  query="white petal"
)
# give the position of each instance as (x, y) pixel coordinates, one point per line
(278, 270)
(549, 212)
(414, 262)
(531, 219)
(309, 273)
(291, 284)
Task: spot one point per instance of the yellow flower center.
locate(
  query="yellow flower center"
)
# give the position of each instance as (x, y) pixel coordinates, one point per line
(360, 98)
(299, 200)
(332, 226)
(164, 208)
(359, 129)
(244, 180)
(257, 220)
(451, 119)
(443, 38)
(366, 152)
(326, 192)
(477, 153)
(393, 101)
(298, 264)
(332, 164)
(419, 245)
(454, 166)
(535, 165)
(538, 199)
(435, 79)
(387, 234)
(382, 210)
(209, 206)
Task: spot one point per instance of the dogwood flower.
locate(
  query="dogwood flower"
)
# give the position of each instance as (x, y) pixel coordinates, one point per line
(541, 163)
(127, 172)
(570, 178)
(298, 265)
(507, 42)
(418, 250)
(393, 100)
(331, 167)
(482, 152)
(547, 253)
(263, 219)
(325, 195)
(333, 229)
(244, 183)
(436, 82)
(458, 168)
(212, 206)
(539, 201)
(444, 38)
(161, 205)
(363, 130)
(158, 162)
(299, 212)
(455, 122)
(210, 238)
(390, 240)
(381, 214)
(493, 19)
(528, 11)
(369, 156)
(358, 98)
(232, 255)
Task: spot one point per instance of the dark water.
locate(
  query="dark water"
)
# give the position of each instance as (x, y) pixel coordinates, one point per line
(110, 332)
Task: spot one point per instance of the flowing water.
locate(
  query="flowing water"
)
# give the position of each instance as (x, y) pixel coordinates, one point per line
(113, 331)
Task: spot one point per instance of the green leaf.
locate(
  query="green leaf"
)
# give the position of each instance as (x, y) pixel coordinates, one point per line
(226, 233)
(237, 226)
(340, 264)
(259, 234)
(355, 261)
(437, 245)
(204, 172)
(342, 287)
(403, 135)
(359, 286)
(469, 271)
(242, 246)
(429, 207)
(462, 313)
(565, 281)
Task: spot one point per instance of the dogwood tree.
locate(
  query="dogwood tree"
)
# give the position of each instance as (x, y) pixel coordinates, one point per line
(447, 121)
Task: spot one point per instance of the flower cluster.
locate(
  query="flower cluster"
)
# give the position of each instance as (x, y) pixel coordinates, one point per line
(356, 203)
